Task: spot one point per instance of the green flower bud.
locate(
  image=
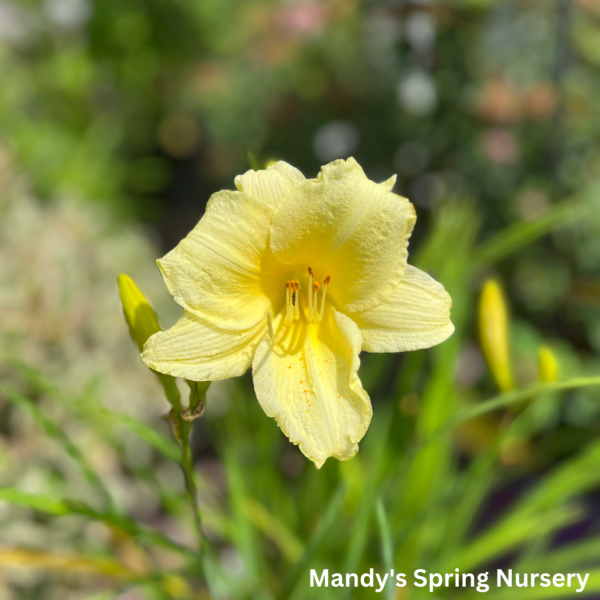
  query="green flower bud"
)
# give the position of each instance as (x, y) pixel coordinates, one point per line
(143, 323)
(140, 316)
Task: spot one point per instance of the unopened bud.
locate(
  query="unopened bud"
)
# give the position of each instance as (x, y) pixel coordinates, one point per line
(140, 316)
(548, 365)
(493, 334)
(143, 323)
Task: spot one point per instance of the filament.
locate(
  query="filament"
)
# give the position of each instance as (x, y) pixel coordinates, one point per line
(325, 284)
(310, 296)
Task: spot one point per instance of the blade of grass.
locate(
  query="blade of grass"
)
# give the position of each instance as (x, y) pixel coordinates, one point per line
(509, 534)
(512, 238)
(56, 432)
(475, 486)
(380, 427)
(387, 550)
(89, 409)
(245, 535)
(540, 513)
(162, 444)
(58, 507)
(513, 397)
(274, 529)
(567, 557)
(66, 562)
(329, 516)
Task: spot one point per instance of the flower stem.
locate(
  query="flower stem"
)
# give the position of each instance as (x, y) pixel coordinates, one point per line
(187, 467)
(181, 420)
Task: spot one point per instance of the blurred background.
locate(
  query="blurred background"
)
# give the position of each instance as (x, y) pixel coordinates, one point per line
(119, 119)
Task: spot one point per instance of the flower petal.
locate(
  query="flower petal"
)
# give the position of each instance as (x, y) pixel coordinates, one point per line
(195, 350)
(270, 185)
(215, 271)
(344, 225)
(309, 383)
(416, 315)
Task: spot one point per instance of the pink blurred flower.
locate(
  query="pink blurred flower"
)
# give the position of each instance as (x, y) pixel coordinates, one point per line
(303, 18)
(500, 146)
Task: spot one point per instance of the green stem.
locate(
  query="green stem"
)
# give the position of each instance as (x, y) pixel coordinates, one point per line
(187, 467)
(181, 421)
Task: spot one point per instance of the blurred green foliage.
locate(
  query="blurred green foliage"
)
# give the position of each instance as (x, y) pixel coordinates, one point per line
(488, 112)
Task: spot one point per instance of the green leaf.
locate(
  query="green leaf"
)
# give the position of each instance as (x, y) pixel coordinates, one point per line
(40, 503)
(509, 534)
(159, 442)
(516, 396)
(512, 238)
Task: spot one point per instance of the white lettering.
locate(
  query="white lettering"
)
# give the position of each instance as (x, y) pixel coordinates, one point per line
(420, 578)
(482, 586)
(582, 582)
(435, 581)
(381, 582)
(319, 582)
(369, 577)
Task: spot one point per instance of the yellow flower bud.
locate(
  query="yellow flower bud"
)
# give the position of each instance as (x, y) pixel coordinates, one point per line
(143, 323)
(493, 334)
(140, 316)
(548, 365)
(176, 587)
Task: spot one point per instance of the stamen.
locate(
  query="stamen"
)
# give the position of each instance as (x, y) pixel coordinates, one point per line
(296, 300)
(270, 327)
(313, 296)
(287, 300)
(325, 284)
(310, 298)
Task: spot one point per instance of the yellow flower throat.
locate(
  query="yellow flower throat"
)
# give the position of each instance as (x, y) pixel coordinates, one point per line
(314, 310)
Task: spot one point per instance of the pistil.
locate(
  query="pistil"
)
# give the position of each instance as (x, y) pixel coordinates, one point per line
(296, 300)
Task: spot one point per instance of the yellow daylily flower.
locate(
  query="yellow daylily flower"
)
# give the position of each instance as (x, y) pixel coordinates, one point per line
(295, 277)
